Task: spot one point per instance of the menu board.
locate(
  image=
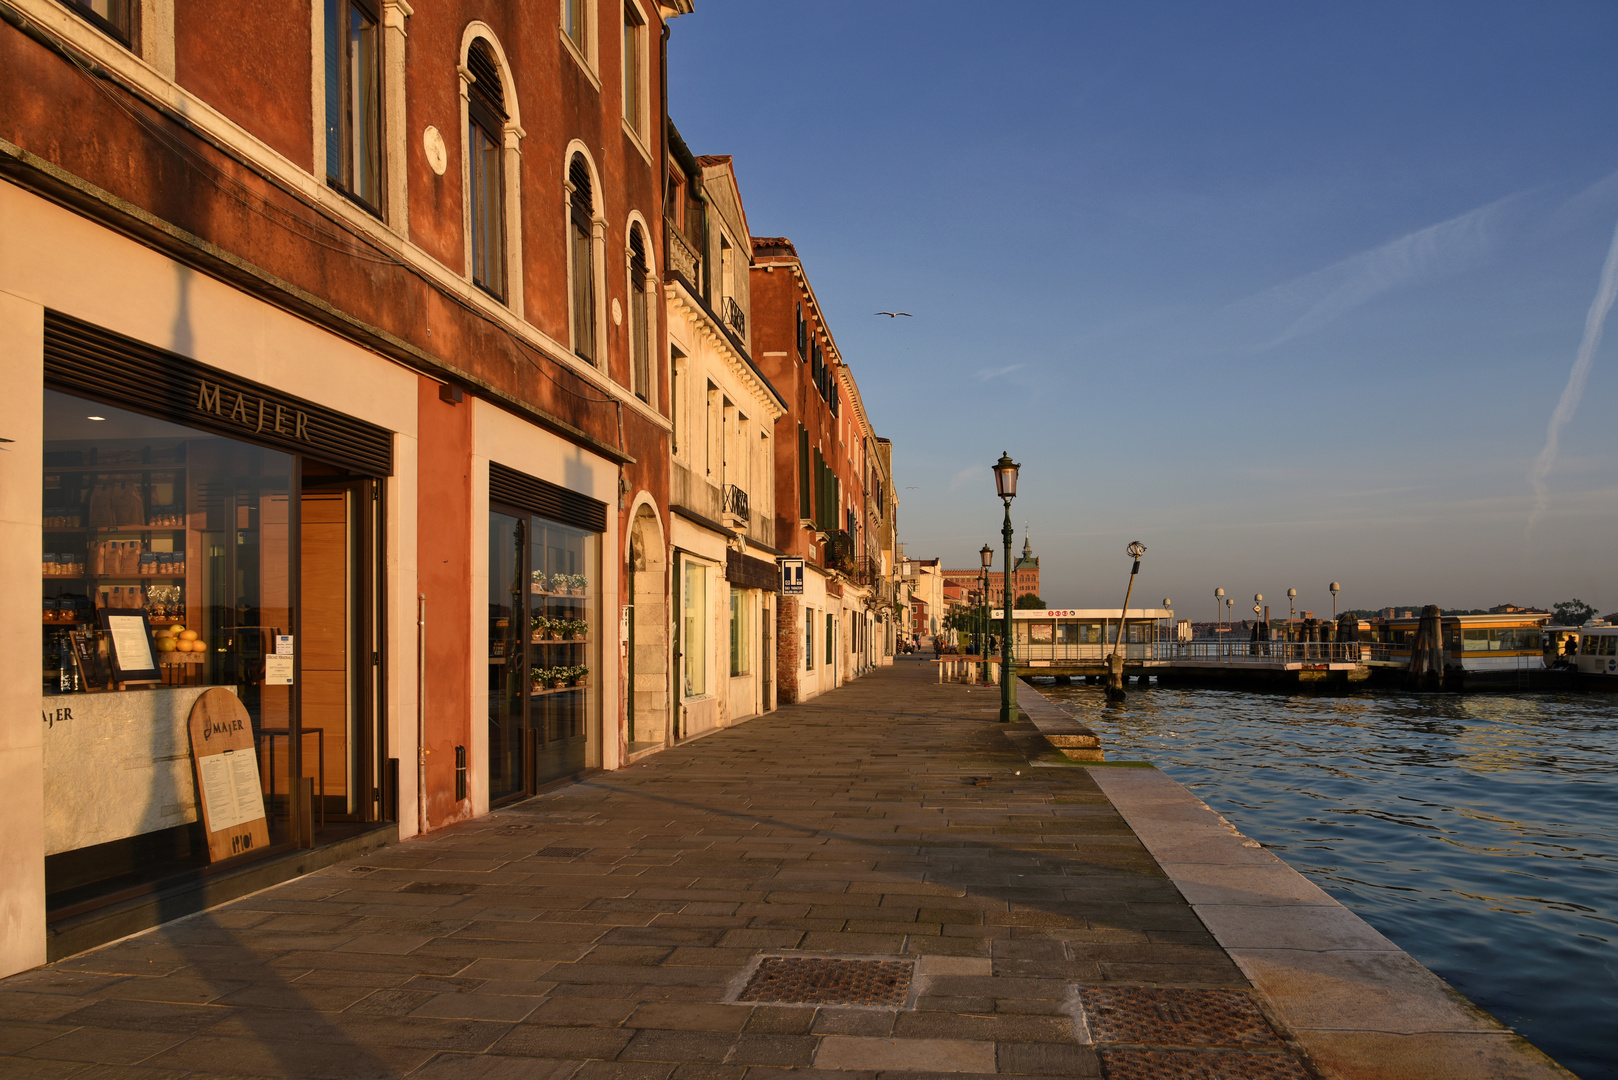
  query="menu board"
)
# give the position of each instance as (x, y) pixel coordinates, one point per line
(229, 793)
(129, 646)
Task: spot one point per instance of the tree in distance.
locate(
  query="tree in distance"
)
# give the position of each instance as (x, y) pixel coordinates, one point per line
(1573, 613)
(1029, 602)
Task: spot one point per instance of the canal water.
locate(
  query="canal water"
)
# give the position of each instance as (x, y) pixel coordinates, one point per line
(1479, 832)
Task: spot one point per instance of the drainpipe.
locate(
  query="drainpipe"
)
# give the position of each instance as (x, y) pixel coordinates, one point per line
(421, 713)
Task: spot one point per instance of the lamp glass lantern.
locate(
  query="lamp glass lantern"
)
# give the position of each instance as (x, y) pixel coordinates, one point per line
(1005, 477)
(986, 553)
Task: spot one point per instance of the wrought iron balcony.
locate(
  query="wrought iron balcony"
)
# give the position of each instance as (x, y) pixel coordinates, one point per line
(734, 317)
(736, 504)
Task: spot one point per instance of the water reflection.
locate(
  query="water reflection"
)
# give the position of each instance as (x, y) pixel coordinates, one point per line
(1479, 832)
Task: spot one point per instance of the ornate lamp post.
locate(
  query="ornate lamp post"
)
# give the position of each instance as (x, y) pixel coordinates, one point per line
(1005, 484)
(1115, 663)
(986, 553)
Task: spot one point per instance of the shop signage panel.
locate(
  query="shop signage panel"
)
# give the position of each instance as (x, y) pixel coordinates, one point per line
(81, 358)
(750, 573)
(545, 499)
(791, 577)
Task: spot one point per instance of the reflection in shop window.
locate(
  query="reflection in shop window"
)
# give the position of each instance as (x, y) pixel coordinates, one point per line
(192, 534)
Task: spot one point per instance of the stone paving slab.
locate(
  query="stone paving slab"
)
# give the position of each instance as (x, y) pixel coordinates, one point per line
(596, 931)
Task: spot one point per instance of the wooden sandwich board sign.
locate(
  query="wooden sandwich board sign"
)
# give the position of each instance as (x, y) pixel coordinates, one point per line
(230, 800)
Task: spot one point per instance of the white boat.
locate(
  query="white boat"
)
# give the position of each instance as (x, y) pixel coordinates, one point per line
(1598, 654)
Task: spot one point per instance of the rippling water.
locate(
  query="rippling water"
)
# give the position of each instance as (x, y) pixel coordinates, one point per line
(1479, 832)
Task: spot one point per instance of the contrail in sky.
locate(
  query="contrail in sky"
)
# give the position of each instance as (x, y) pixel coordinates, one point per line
(1593, 324)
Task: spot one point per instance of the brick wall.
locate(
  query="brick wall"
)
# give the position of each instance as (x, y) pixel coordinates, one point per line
(788, 649)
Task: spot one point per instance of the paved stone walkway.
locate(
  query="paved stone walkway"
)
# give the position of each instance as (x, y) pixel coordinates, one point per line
(595, 931)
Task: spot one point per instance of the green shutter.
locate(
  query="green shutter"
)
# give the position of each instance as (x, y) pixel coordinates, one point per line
(803, 473)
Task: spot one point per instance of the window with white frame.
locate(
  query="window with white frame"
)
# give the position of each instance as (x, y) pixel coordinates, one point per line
(677, 409)
(354, 100)
(581, 256)
(640, 318)
(634, 63)
(694, 629)
(485, 152)
(113, 17)
(579, 30)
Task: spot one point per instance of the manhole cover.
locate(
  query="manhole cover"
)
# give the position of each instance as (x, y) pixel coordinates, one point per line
(1198, 1065)
(561, 852)
(1171, 1016)
(806, 980)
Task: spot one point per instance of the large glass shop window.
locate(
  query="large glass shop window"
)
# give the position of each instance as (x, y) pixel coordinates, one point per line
(167, 571)
(544, 613)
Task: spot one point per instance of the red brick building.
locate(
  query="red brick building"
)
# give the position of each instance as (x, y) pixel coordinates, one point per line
(351, 308)
(1024, 577)
(825, 459)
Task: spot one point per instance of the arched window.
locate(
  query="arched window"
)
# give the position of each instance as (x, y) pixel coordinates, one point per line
(581, 251)
(640, 322)
(486, 123)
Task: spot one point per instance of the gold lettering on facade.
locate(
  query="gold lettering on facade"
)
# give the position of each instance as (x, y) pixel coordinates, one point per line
(238, 412)
(207, 397)
(300, 428)
(280, 415)
(261, 408)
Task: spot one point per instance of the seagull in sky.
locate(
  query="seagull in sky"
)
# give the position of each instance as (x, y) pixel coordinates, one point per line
(896, 314)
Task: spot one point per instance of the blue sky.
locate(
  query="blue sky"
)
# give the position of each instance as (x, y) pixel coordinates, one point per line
(1287, 292)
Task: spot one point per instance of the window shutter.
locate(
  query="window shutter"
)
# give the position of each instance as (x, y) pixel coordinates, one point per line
(578, 174)
(486, 86)
(803, 335)
(637, 256)
(804, 512)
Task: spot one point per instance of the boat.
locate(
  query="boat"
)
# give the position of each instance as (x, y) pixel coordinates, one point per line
(1598, 655)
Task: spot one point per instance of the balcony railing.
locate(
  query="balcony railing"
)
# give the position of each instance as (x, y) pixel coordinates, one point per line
(736, 503)
(866, 571)
(734, 317)
(682, 257)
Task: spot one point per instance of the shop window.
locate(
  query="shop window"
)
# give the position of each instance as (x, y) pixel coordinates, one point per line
(831, 641)
(180, 563)
(544, 611)
(694, 629)
(354, 100)
(739, 664)
(809, 639)
(581, 256)
(113, 17)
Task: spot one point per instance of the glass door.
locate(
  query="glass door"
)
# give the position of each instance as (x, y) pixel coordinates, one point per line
(562, 630)
(508, 674)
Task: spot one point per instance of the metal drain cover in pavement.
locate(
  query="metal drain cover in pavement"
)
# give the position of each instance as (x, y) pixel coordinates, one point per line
(1172, 1016)
(808, 980)
(1199, 1065)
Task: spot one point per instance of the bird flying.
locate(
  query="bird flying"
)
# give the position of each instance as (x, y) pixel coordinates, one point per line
(896, 314)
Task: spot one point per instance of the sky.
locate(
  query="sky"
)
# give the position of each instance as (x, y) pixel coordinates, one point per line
(1290, 293)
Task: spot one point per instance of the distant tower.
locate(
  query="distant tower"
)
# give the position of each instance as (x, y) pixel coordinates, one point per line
(1025, 572)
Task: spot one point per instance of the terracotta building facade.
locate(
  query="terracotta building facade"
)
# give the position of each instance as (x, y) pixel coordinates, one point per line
(340, 412)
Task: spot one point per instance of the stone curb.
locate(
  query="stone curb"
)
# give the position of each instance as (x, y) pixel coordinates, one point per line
(1363, 1008)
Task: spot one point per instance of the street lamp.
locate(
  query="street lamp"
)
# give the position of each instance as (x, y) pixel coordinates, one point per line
(1005, 485)
(1219, 608)
(986, 553)
(1115, 664)
(1292, 608)
(1335, 589)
